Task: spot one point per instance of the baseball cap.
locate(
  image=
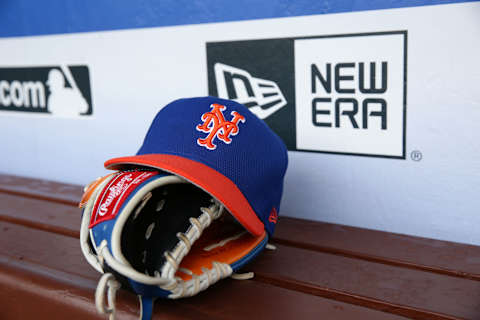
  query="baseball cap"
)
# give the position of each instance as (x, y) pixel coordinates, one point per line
(223, 148)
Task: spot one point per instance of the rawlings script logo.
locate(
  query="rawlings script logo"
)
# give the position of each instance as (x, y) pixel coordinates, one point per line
(215, 125)
(114, 192)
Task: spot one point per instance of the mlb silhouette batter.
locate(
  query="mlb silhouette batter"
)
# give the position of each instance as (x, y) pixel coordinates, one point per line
(64, 101)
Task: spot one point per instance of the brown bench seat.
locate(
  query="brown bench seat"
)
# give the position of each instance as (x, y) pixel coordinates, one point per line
(319, 270)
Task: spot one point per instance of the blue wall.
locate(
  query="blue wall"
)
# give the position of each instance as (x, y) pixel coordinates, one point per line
(31, 17)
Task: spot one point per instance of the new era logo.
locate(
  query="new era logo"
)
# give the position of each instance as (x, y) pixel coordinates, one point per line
(343, 94)
(263, 97)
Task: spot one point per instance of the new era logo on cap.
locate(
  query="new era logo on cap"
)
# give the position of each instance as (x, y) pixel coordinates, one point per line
(241, 161)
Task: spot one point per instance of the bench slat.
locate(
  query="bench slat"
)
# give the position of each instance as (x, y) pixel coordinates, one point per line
(438, 256)
(29, 293)
(41, 214)
(41, 189)
(402, 291)
(26, 295)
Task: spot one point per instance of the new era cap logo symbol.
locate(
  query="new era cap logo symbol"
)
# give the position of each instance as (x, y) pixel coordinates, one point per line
(273, 218)
(216, 126)
(262, 97)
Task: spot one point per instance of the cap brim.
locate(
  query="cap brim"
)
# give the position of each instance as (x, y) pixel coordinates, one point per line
(201, 175)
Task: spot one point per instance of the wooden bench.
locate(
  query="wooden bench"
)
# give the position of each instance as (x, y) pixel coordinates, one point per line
(319, 270)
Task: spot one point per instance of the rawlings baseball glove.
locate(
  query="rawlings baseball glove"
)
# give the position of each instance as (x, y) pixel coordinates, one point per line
(168, 238)
(197, 202)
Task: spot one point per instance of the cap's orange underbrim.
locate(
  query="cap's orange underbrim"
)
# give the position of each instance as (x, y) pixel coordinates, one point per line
(213, 182)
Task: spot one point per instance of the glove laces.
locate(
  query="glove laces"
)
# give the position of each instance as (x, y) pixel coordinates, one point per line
(108, 286)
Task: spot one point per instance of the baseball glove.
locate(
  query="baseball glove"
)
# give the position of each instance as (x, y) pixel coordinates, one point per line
(159, 236)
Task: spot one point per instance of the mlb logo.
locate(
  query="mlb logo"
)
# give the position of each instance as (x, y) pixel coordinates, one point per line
(58, 91)
(343, 94)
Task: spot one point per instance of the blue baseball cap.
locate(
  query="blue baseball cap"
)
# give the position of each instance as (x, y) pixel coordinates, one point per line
(223, 148)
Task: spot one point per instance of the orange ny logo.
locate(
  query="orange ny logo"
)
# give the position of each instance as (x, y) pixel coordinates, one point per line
(215, 125)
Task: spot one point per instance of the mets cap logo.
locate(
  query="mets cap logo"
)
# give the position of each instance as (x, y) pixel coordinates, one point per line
(216, 126)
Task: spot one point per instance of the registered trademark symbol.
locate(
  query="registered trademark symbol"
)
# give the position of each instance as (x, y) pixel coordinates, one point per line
(416, 155)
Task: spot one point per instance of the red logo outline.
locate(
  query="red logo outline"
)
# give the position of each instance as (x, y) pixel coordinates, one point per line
(273, 218)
